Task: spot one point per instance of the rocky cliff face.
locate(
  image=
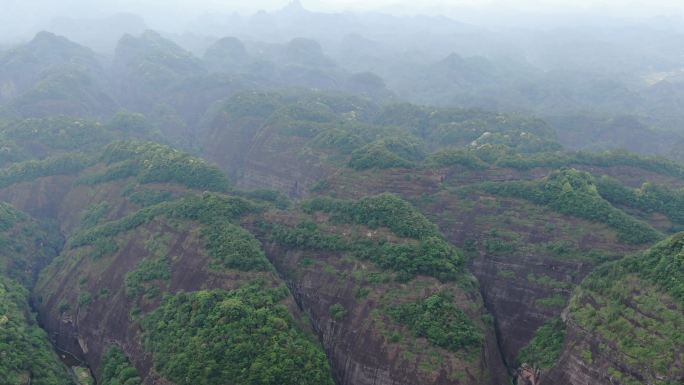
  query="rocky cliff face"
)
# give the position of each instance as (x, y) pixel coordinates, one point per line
(87, 328)
(366, 346)
(625, 322)
(257, 156)
(515, 299)
(527, 260)
(526, 263)
(85, 303)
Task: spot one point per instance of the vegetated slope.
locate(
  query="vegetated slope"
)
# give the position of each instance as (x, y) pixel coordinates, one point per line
(110, 285)
(120, 259)
(37, 139)
(390, 298)
(148, 65)
(527, 258)
(27, 356)
(162, 252)
(625, 323)
(531, 239)
(151, 73)
(292, 140)
(108, 279)
(52, 76)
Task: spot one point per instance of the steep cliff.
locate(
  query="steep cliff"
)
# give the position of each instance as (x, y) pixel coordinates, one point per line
(27, 356)
(422, 246)
(338, 273)
(625, 323)
(113, 279)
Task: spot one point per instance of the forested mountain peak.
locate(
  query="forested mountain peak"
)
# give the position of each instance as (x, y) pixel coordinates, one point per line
(47, 50)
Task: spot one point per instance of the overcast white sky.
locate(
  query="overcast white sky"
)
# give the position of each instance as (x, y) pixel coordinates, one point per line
(193, 6)
(27, 14)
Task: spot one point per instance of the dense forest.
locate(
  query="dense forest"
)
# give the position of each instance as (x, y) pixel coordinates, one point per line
(284, 200)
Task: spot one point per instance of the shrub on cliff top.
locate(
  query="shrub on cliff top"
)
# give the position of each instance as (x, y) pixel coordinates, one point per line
(240, 337)
(439, 320)
(574, 192)
(386, 210)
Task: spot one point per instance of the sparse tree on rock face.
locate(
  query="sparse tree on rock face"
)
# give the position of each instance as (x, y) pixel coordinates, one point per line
(528, 375)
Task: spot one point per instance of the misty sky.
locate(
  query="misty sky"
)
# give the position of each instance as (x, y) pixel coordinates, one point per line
(19, 16)
(46, 7)
(361, 4)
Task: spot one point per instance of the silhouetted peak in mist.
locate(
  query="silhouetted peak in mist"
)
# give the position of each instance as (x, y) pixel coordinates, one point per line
(294, 7)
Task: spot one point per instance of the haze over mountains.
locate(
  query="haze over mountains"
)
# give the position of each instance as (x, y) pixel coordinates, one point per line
(582, 79)
(299, 197)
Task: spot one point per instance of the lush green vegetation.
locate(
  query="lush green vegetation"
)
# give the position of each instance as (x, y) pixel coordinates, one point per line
(386, 210)
(644, 330)
(94, 214)
(601, 159)
(307, 235)
(146, 198)
(387, 153)
(9, 216)
(489, 151)
(84, 299)
(10, 152)
(240, 337)
(663, 265)
(635, 305)
(343, 139)
(140, 281)
(392, 136)
(649, 198)
(248, 336)
(337, 312)
(544, 349)
(277, 198)
(573, 192)
(437, 319)
(25, 246)
(398, 135)
(83, 376)
(431, 256)
(68, 164)
(59, 133)
(249, 104)
(547, 281)
(151, 162)
(117, 370)
(208, 208)
(458, 126)
(229, 245)
(455, 156)
(38, 138)
(515, 142)
(556, 300)
(305, 114)
(133, 125)
(121, 170)
(27, 356)
(233, 247)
